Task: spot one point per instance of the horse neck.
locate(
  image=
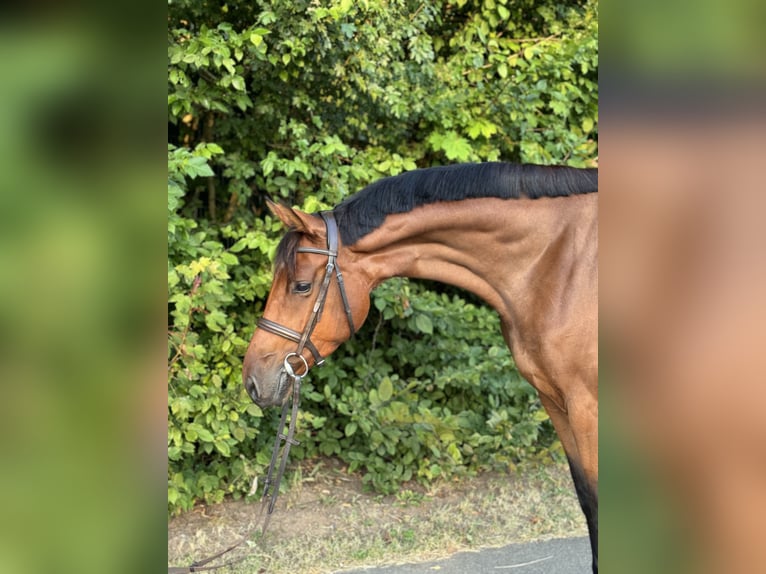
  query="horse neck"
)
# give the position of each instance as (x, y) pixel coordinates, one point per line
(492, 247)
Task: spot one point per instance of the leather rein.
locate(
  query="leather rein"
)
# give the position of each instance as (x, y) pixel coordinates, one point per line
(272, 482)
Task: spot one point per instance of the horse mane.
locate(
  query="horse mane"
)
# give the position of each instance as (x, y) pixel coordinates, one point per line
(366, 210)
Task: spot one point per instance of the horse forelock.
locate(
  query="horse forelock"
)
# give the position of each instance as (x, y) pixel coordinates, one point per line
(284, 259)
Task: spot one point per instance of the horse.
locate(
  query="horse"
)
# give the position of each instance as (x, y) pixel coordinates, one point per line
(522, 237)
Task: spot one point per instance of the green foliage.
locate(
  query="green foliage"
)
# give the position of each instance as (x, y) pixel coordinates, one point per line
(435, 393)
(309, 102)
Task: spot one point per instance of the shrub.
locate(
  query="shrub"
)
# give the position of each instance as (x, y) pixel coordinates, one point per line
(308, 103)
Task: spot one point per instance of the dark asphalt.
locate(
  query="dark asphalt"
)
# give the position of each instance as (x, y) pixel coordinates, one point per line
(558, 556)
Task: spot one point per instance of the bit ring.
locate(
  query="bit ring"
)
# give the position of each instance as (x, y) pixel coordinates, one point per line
(289, 368)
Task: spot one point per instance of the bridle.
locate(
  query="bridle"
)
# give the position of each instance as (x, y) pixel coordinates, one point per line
(304, 339)
(271, 486)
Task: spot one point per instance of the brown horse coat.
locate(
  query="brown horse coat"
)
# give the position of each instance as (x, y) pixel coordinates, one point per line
(523, 238)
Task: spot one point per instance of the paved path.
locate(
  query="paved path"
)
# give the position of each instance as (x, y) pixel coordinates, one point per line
(559, 556)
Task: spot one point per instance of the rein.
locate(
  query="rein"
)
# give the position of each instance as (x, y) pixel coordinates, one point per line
(271, 485)
(283, 441)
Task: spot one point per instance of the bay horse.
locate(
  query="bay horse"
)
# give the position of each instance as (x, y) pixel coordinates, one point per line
(524, 238)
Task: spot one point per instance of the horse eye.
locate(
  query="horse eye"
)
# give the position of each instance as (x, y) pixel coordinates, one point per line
(302, 287)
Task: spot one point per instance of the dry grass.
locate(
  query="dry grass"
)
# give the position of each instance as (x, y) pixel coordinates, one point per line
(326, 523)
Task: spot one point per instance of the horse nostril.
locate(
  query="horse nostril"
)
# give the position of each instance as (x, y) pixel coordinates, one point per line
(251, 388)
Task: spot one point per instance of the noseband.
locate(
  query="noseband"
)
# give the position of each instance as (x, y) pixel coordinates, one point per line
(304, 339)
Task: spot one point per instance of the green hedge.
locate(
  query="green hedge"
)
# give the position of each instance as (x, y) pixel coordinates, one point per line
(310, 103)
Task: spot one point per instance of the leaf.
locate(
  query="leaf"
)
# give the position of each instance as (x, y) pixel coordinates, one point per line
(243, 101)
(239, 245)
(212, 148)
(197, 166)
(256, 36)
(454, 452)
(223, 447)
(540, 416)
(172, 279)
(455, 147)
(385, 389)
(215, 320)
(204, 434)
(350, 429)
(254, 410)
(424, 324)
(229, 258)
(175, 193)
(481, 127)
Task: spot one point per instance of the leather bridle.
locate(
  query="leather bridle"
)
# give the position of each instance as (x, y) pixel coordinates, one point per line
(277, 467)
(304, 339)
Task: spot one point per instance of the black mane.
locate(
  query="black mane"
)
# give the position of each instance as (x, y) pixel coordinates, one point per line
(365, 211)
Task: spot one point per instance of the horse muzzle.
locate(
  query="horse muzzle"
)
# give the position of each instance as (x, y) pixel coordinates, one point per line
(264, 397)
(284, 378)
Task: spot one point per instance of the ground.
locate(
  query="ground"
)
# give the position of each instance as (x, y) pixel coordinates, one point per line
(327, 522)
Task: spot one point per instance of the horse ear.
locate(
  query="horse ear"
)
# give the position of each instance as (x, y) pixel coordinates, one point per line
(293, 218)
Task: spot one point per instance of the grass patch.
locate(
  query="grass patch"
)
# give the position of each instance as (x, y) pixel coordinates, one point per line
(326, 523)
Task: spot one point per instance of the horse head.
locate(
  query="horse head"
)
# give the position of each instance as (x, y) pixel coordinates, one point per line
(311, 309)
